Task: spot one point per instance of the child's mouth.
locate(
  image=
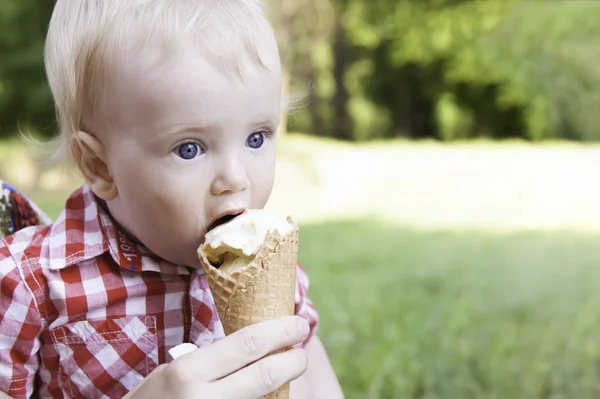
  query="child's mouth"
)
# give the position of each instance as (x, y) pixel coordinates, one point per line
(222, 220)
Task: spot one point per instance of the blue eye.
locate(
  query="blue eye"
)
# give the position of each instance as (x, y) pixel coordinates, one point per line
(255, 140)
(188, 151)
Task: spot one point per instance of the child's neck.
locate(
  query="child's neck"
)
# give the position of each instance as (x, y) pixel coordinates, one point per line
(102, 204)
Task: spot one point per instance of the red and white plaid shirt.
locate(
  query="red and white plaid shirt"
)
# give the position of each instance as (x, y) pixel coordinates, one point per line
(88, 313)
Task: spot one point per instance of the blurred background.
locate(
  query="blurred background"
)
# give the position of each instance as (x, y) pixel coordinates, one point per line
(443, 166)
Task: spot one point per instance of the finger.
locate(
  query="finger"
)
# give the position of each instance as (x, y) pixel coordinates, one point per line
(151, 384)
(264, 376)
(241, 348)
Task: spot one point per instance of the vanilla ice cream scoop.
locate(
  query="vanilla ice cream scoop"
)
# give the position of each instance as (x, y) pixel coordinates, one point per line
(233, 245)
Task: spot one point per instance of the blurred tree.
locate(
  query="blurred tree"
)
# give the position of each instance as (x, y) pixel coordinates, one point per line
(300, 26)
(341, 59)
(550, 66)
(25, 99)
(424, 50)
(446, 69)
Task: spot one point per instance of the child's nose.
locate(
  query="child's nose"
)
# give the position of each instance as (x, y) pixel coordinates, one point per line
(231, 178)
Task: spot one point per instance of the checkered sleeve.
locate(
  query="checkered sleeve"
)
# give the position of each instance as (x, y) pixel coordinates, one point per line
(304, 306)
(20, 327)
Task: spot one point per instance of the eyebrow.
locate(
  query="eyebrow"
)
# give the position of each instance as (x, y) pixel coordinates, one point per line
(172, 130)
(268, 122)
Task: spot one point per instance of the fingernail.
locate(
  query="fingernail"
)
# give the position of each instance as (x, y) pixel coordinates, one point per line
(304, 327)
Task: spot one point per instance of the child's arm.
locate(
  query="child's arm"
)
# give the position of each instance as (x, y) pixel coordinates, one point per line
(321, 378)
(319, 381)
(20, 328)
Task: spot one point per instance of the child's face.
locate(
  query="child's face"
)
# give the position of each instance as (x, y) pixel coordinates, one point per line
(186, 144)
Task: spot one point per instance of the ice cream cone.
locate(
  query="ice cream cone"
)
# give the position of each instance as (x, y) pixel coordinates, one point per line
(265, 289)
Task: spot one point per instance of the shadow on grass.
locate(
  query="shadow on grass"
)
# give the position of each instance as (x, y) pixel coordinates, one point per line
(412, 314)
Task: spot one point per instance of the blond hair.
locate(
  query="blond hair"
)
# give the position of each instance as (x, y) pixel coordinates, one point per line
(87, 38)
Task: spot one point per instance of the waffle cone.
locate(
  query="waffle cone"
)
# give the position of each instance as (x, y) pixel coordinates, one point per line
(263, 290)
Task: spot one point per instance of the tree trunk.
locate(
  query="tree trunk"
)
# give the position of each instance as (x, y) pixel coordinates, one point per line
(402, 112)
(314, 103)
(341, 119)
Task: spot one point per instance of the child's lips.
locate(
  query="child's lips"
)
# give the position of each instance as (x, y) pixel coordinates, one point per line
(224, 217)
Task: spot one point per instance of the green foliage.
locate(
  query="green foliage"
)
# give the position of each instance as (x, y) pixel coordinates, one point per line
(25, 100)
(506, 74)
(444, 69)
(551, 65)
(455, 123)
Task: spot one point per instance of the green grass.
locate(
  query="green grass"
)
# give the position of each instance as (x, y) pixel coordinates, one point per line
(433, 313)
(52, 205)
(409, 314)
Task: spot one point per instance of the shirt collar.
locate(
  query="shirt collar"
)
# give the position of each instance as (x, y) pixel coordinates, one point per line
(85, 230)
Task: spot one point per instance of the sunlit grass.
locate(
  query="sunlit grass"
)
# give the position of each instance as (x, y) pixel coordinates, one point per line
(509, 186)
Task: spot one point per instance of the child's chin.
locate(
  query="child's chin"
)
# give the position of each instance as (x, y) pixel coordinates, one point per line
(193, 262)
(186, 261)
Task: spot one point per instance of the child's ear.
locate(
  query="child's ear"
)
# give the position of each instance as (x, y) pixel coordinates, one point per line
(88, 153)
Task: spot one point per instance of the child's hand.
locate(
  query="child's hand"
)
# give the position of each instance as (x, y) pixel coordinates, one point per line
(229, 368)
